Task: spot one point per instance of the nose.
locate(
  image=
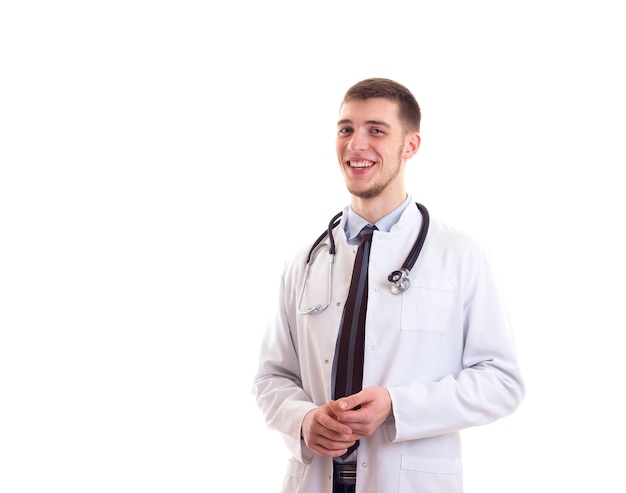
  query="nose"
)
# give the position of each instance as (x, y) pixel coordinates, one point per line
(358, 141)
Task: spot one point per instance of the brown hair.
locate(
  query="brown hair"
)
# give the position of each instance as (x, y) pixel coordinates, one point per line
(409, 110)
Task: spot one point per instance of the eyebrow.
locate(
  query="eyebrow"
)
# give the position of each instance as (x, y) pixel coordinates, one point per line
(368, 122)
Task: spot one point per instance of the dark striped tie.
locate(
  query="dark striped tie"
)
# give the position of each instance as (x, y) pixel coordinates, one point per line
(349, 371)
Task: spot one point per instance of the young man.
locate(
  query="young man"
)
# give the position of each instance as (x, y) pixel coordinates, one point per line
(437, 353)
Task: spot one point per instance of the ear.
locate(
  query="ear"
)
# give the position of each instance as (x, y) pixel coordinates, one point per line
(411, 144)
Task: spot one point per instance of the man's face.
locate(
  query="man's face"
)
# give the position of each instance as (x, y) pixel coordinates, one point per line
(370, 146)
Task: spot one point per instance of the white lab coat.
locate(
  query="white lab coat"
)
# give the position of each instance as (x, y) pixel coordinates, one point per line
(443, 349)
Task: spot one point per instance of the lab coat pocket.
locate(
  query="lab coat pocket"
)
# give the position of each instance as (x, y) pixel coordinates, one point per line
(430, 307)
(425, 474)
(293, 476)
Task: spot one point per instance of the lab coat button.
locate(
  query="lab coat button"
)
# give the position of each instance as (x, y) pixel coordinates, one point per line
(364, 464)
(373, 348)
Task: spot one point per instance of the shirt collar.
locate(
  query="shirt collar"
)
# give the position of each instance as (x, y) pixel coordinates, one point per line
(355, 223)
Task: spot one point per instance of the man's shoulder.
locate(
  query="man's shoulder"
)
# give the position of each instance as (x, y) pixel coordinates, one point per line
(447, 234)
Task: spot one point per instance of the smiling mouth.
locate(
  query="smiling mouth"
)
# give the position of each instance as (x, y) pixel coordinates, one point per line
(360, 164)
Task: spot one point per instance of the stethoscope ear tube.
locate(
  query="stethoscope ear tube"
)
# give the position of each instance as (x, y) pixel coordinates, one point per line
(399, 278)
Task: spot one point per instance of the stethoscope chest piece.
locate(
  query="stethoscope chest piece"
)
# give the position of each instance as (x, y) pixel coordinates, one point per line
(399, 278)
(400, 281)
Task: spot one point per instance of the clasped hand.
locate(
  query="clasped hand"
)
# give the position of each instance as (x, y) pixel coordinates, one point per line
(330, 429)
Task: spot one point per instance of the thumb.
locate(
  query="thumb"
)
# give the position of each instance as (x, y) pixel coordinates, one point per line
(339, 405)
(351, 402)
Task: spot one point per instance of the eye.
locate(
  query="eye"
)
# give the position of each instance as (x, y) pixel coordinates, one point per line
(345, 130)
(377, 131)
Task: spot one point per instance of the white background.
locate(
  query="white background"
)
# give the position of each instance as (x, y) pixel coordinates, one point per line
(160, 159)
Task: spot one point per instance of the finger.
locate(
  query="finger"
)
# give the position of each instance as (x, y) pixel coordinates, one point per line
(349, 403)
(335, 429)
(342, 405)
(327, 452)
(351, 416)
(331, 448)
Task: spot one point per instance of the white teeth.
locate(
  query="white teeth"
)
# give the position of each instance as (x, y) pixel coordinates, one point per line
(361, 164)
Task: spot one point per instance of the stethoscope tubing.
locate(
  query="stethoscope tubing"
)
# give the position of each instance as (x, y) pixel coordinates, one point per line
(421, 238)
(398, 278)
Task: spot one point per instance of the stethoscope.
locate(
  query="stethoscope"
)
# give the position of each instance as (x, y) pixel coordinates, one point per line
(399, 278)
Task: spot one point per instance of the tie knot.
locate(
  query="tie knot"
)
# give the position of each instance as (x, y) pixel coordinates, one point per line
(367, 232)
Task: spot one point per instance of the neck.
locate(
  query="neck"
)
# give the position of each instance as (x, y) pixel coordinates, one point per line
(375, 208)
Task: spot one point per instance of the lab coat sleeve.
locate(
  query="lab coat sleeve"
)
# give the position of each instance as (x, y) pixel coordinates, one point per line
(278, 381)
(489, 384)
